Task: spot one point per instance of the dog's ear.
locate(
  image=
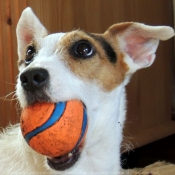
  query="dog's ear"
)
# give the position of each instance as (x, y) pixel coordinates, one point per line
(28, 28)
(138, 42)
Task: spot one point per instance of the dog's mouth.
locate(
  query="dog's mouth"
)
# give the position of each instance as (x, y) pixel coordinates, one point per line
(37, 96)
(66, 161)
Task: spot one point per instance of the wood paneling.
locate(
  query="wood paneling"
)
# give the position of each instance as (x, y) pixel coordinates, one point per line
(9, 15)
(149, 94)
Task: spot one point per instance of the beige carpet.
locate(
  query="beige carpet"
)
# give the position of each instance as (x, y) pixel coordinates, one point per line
(158, 168)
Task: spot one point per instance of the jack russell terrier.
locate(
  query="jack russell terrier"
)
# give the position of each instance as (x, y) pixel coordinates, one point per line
(93, 68)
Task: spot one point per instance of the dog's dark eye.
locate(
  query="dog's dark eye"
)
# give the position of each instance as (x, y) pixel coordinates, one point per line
(83, 49)
(30, 53)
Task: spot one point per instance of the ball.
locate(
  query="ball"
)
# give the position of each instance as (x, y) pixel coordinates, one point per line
(54, 129)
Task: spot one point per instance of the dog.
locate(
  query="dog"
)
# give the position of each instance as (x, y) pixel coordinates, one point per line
(93, 68)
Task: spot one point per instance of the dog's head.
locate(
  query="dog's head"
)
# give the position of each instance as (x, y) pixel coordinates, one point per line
(80, 65)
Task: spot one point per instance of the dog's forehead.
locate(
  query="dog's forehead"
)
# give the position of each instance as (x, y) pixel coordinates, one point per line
(68, 37)
(51, 39)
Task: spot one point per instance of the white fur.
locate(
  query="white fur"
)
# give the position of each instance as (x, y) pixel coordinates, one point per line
(106, 111)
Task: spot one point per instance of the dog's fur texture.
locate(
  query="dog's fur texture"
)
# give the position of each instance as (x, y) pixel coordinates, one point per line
(98, 81)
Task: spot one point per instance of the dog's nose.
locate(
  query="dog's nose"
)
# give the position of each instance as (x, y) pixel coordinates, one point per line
(34, 79)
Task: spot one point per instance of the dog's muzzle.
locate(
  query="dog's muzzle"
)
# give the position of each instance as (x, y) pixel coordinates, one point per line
(35, 83)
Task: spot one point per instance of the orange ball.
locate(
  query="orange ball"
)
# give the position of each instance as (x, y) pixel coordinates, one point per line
(54, 129)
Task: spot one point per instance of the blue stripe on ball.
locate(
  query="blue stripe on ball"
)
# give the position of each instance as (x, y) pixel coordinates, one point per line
(56, 115)
(83, 130)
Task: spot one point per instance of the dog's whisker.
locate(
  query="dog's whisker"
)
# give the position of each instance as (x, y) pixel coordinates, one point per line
(14, 96)
(8, 95)
(8, 82)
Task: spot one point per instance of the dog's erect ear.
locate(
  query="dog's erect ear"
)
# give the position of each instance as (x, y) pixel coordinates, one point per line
(28, 28)
(138, 42)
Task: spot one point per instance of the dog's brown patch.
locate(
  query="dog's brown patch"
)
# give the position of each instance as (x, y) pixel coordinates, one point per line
(119, 28)
(98, 68)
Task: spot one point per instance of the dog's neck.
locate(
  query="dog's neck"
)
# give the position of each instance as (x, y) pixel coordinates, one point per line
(107, 106)
(106, 115)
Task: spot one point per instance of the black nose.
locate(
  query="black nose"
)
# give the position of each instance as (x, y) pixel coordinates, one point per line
(34, 79)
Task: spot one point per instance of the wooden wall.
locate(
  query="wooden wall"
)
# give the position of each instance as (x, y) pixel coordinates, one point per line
(149, 93)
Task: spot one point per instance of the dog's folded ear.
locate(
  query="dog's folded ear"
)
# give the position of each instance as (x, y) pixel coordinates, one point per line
(28, 28)
(138, 42)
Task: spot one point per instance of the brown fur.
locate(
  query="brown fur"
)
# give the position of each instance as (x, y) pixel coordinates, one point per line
(98, 68)
(119, 28)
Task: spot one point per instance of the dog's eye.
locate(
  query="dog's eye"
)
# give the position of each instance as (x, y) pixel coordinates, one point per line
(83, 49)
(30, 53)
